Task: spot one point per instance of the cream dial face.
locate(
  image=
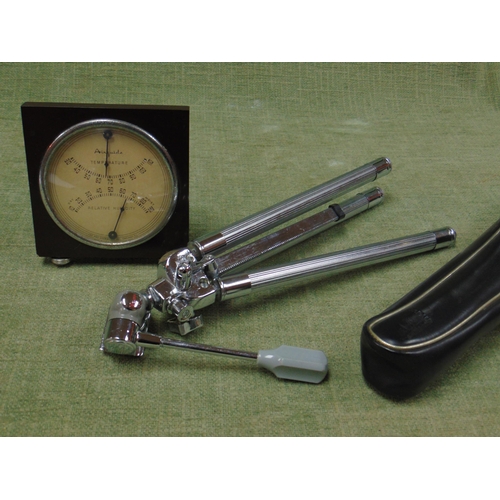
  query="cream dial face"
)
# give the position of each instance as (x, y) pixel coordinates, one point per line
(108, 184)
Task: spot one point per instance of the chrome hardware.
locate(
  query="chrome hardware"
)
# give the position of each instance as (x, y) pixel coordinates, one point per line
(206, 274)
(282, 212)
(193, 278)
(209, 270)
(124, 335)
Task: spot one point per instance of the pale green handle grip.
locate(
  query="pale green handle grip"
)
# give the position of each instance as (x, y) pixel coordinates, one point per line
(295, 363)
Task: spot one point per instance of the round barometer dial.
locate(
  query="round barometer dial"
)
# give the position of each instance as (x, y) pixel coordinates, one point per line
(108, 183)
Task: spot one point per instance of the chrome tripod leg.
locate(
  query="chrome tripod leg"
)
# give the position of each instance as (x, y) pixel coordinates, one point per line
(300, 271)
(291, 235)
(272, 217)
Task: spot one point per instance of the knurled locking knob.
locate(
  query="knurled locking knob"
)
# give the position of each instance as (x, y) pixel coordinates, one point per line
(181, 310)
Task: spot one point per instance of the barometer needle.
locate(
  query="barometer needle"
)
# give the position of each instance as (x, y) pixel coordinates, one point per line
(107, 135)
(112, 234)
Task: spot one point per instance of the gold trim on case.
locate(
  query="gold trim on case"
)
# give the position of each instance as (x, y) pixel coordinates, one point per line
(447, 333)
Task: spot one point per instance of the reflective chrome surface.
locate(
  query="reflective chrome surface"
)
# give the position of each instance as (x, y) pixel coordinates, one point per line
(208, 288)
(302, 271)
(126, 333)
(190, 279)
(272, 217)
(186, 283)
(292, 235)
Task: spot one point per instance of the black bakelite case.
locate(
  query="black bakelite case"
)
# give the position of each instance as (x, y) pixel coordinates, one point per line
(43, 122)
(412, 342)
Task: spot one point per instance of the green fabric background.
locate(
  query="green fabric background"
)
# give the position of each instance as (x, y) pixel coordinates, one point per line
(259, 133)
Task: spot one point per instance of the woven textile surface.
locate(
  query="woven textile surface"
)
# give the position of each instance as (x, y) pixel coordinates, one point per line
(259, 133)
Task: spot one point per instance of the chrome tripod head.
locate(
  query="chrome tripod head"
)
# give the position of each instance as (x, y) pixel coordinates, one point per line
(128, 318)
(126, 332)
